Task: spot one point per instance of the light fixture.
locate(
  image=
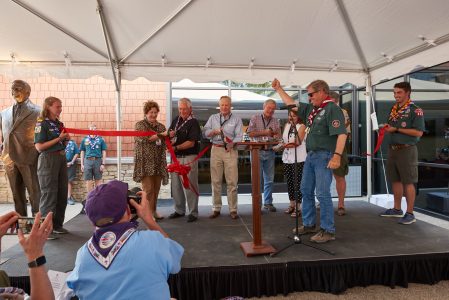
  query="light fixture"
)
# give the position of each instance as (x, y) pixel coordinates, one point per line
(208, 61)
(251, 63)
(429, 42)
(387, 57)
(163, 60)
(293, 65)
(67, 60)
(334, 66)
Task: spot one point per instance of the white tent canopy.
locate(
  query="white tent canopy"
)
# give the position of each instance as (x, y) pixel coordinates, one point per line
(213, 40)
(341, 41)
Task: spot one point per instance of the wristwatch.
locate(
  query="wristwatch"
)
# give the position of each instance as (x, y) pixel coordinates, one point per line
(37, 262)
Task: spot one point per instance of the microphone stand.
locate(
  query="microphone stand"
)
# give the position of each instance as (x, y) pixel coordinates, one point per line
(296, 237)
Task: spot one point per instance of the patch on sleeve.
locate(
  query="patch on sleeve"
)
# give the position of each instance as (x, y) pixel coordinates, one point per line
(335, 123)
(419, 112)
(38, 128)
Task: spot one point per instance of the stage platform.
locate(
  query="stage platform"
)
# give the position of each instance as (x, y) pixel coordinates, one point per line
(368, 250)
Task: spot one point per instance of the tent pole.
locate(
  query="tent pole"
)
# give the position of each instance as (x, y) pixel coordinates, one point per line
(118, 117)
(368, 92)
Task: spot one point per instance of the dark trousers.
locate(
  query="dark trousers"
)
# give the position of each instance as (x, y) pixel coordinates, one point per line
(21, 177)
(52, 174)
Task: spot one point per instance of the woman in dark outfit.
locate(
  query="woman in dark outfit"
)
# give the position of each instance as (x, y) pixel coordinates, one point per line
(50, 141)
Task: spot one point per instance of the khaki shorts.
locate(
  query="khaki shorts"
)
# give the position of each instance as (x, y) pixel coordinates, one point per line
(343, 170)
(402, 165)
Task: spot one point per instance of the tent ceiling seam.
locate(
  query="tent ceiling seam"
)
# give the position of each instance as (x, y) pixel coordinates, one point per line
(352, 35)
(109, 46)
(167, 21)
(412, 51)
(60, 28)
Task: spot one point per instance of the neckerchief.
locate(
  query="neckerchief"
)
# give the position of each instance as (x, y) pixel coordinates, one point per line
(396, 110)
(315, 111)
(93, 141)
(106, 242)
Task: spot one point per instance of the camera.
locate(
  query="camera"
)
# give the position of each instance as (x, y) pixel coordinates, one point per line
(26, 224)
(132, 194)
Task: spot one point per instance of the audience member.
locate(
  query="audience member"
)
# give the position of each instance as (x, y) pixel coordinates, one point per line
(118, 261)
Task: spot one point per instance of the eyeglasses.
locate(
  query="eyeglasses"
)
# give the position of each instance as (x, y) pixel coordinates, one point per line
(17, 88)
(312, 93)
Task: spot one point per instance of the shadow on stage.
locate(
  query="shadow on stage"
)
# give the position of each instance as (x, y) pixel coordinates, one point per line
(368, 250)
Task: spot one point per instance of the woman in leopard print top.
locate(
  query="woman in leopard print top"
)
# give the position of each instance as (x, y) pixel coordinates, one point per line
(149, 156)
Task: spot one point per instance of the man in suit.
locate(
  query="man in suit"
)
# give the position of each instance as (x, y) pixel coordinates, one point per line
(18, 153)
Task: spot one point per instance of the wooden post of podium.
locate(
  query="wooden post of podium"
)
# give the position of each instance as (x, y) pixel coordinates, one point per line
(257, 246)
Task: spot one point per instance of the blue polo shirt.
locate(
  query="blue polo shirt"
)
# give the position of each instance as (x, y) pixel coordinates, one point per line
(93, 146)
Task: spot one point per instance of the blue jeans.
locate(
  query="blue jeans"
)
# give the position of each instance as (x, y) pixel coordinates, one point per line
(266, 172)
(316, 177)
(266, 161)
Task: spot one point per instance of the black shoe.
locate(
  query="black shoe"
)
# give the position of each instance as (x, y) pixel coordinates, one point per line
(270, 207)
(51, 237)
(191, 218)
(60, 230)
(175, 215)
(83, 211)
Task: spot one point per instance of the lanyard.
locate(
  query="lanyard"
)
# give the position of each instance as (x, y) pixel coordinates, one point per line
(224, 120)
(263, 121)
(179, 126)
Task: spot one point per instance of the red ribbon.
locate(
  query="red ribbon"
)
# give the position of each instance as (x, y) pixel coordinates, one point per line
(176, 167)
(380, 139)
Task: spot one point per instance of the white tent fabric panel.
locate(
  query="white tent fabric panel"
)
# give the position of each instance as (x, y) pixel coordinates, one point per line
(389, 38)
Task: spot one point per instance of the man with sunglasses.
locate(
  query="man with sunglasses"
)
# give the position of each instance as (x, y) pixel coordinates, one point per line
(18, 154)
(326, 138)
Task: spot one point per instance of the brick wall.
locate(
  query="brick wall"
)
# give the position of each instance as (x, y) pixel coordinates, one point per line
(86, 101)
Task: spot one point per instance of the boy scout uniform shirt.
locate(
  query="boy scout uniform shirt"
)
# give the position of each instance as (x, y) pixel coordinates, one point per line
(93, 146)
(70, 150)
(47, 130)
(326, 126)
(411, 117)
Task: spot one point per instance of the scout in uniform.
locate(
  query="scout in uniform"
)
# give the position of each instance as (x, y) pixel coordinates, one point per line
(406, 126)
(71, 154)
(93, 158)
(326, 138)
(49, 140)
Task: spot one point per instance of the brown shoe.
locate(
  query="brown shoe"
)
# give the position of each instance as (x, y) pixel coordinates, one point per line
(341, 211)
(234, 215)
(322, 237)
(306, 229)
(214, 215)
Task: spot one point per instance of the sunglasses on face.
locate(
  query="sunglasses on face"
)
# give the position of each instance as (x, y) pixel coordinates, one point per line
(312, 93)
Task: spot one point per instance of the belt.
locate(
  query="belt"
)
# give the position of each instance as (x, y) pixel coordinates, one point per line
(399, 146)
(93, 158)
(218, 145)
(59, 152)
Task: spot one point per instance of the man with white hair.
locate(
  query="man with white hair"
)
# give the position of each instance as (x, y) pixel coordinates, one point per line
(265, 127)
(185, 134)
(224, 129)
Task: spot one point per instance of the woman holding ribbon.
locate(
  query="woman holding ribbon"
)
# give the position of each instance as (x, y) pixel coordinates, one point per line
(50, 140)
(149, 156)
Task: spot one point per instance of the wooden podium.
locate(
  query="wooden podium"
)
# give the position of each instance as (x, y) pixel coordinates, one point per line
(257, 246)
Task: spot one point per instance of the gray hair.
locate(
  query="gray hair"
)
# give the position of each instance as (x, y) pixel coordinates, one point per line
(225, 98)
(268, 101)
(186, 101)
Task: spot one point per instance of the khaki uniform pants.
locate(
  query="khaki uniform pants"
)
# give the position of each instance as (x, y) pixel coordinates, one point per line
(223, 161)
(182, 195)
